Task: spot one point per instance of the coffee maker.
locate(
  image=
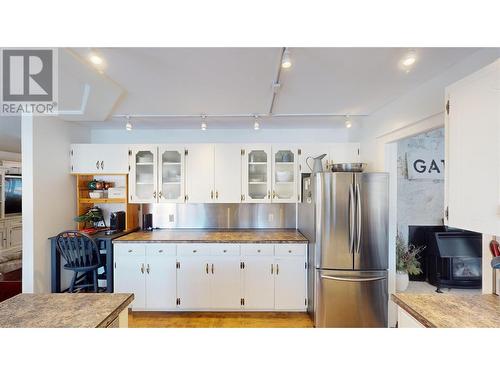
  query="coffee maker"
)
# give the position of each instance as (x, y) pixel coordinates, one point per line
(117, 221)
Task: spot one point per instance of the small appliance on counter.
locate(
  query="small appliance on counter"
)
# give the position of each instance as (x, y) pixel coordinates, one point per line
(147, 222)
(117, 222)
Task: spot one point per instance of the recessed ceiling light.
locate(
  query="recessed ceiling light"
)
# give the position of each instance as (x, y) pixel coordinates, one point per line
(348, 122)
(203, 123)
(128, 125)
(95, 59)
(256, 124)
(286, 62)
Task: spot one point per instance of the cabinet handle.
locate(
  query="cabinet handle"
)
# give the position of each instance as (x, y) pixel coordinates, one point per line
(269, 194)
(206, 268)
(274, 194)
(154, 194)
(212, 268)
(147, 268)
(97, 164)
(102, 164)
(159, 194)
(211, 194)
(142, 268)
(277, 269)
(216, 194)
(272, 268)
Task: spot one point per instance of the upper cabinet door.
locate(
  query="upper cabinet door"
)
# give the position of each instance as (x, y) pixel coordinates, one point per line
(143, 174)
(227, 173)
(344, 153)
(99, 159)
(171, 174)
(257, 179)
(472, 125)
(285, 174)
(200, 173)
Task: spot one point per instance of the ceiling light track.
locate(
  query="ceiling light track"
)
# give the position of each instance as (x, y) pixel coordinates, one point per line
(238, 115)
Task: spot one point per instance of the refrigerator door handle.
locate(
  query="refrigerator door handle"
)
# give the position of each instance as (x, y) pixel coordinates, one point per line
(351, 218)
(353, 279)
(358, 223)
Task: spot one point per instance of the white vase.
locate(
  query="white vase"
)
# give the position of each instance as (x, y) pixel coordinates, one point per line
(402, 281)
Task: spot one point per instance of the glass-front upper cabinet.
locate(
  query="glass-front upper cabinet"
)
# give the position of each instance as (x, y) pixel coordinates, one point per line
(143, 174)
(284, 174)
(171, 174)
(257, 174)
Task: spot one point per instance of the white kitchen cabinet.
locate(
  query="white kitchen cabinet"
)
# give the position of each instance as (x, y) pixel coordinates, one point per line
(284, 174)
(129, 272)
(200, 173)
(193, 282)
(344, 153)
(143, 175)
(290, 277)
(99, 159)
(161, 290)
(258, 276)
(225, 284)
(15, 233)
(472, 133)
(227, 173)
(256, 170)
(405, 320)
(171, 174)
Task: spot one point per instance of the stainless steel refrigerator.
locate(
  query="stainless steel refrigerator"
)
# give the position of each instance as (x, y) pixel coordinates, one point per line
(345, 217)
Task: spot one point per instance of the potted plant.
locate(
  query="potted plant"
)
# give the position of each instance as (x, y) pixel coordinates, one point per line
(406, 262)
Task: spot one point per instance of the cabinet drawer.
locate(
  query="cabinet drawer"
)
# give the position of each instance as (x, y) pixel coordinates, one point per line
(225, 249)
(130, 249)
(194, 249)
(290, 249)
(166, 249)
(257, 249)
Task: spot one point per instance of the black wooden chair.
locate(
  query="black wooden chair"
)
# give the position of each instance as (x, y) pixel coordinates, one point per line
(81, 255)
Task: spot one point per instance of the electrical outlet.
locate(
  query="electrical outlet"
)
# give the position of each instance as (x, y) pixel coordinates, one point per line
(171, 218)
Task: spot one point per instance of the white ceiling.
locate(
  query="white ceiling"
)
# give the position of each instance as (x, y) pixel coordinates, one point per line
(355, 81)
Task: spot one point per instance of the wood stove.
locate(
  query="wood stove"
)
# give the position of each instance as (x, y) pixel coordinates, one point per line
(454, 260)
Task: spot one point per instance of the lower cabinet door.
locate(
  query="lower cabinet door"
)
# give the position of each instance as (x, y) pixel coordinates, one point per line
(161, 291)
(290, 283)
(225, 284)
(129, 276)
(258, 282)
(193, 283)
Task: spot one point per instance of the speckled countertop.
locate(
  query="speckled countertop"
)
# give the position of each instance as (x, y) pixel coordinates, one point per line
(451, 310)
(216, 235)
(62, 310)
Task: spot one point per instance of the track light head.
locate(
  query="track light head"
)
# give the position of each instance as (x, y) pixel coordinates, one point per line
(128, 125)
(286, 62)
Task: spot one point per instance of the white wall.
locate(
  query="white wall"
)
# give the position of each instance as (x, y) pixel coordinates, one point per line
(49, 198)
(11, 156)
(219, 135)
(418, 111)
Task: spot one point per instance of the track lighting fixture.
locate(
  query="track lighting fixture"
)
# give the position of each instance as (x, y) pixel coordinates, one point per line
(286, 62)
(128, 125)
(256, 124)
(348, 122)
(203, 123)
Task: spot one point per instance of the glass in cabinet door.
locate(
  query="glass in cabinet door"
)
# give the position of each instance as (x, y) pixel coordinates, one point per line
(257, 174)
(171, 177)
(144, 174)
(284, 174)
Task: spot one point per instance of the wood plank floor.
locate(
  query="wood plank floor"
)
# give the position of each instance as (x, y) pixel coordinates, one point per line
(219, 320)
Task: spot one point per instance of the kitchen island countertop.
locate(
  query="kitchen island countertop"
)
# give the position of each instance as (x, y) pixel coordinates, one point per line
(63, 310)
(451, 310)
(216, 235)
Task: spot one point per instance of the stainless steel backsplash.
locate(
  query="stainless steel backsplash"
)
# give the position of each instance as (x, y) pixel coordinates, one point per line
(217, 215)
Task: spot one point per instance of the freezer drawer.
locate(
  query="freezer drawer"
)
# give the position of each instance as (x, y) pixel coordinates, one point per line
(351, 299)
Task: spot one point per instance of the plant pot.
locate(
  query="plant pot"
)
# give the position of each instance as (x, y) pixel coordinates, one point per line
(402, 281)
